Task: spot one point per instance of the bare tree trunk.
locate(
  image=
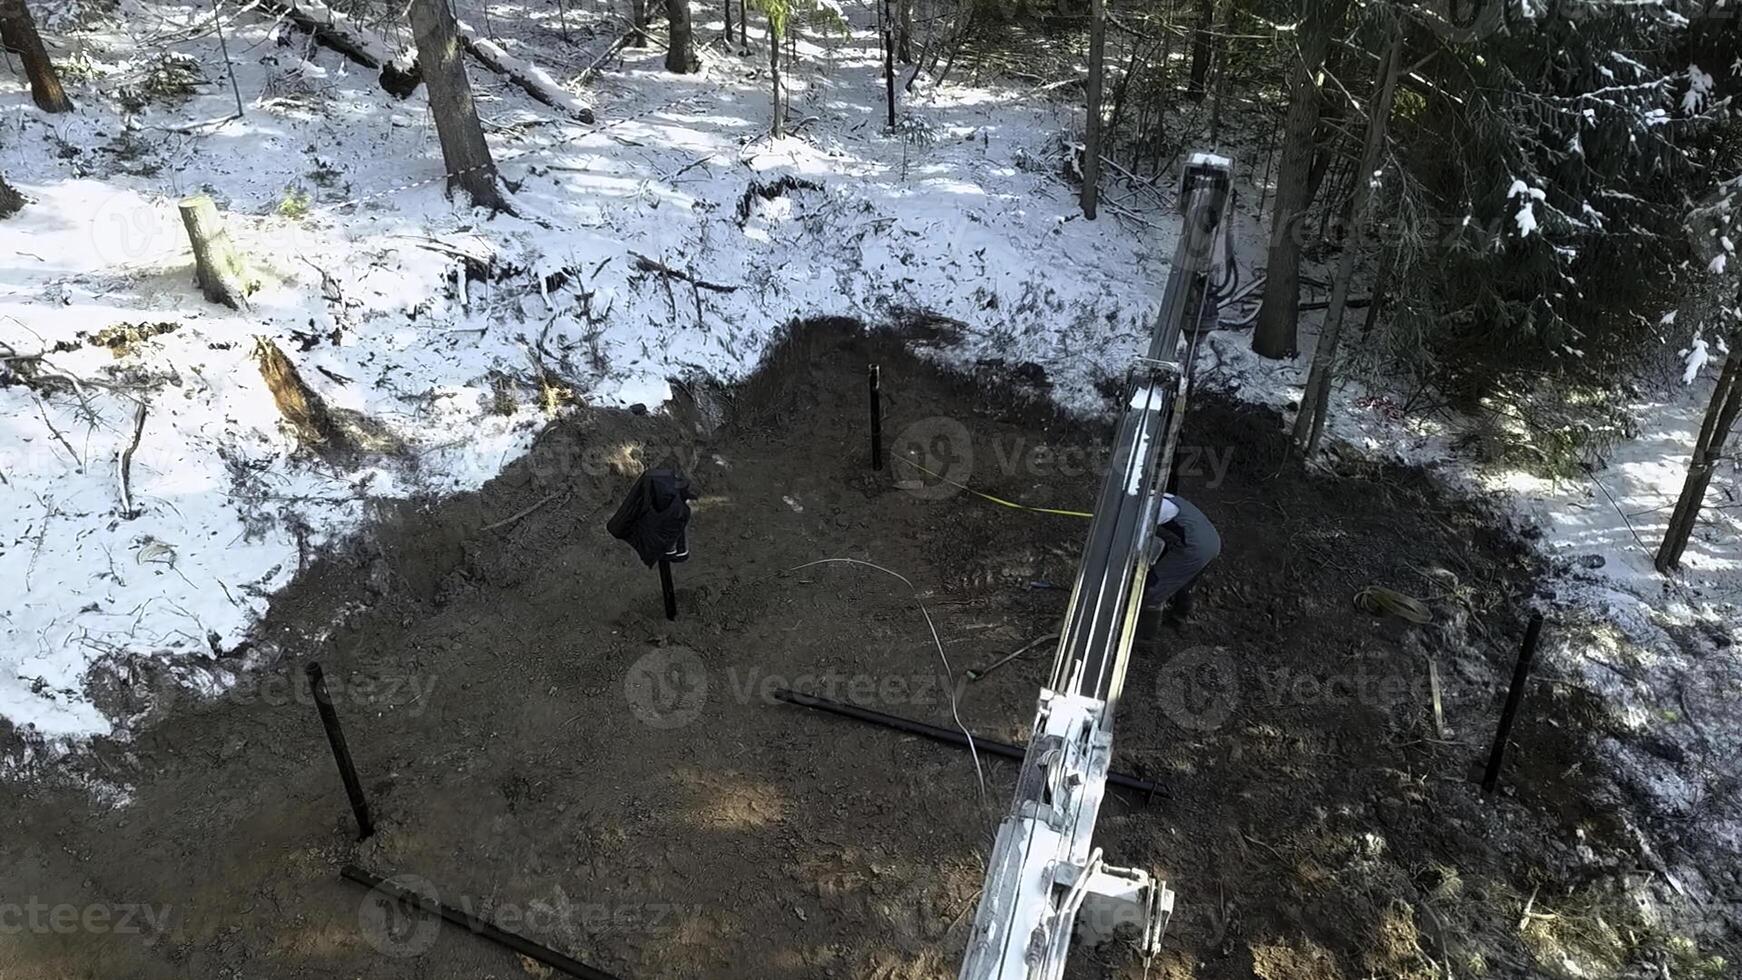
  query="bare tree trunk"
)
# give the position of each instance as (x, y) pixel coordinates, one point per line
(729, 38)
(1117, 116)
(904, 31)
(1092, 121)
(1721, 418)
(778, 127)
(1381, 289)
(1309, 423)
(464, 152)
(1275, 334)
(679, 59)
(1202, 49)
(18, 31)
(638, 23)
(885, 14)
(217, 267)
(1220, 48)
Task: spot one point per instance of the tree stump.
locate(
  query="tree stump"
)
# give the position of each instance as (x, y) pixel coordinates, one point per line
(305, 410)
(10, 200)
(217, 267)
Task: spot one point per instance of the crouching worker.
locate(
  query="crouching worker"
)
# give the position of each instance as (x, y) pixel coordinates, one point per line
(1185, 543)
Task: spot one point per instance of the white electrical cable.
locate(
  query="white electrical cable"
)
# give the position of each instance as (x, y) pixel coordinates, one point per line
(949, 672)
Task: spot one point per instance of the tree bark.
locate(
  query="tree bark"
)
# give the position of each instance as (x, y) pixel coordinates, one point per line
(1309, 423)
(1721, 418)
(1381, 289)
(1280, 305)
(904, 31)
(888, 60)
(638, 23)
(18, 31)
(777, 127)
(11, 202)
(464, 151)
(301, 407)
(679, 59)
(1092, 120)
(217, 267)
(1203, 46)
(729, 37)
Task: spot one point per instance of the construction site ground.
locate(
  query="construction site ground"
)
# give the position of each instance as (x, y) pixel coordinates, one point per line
(545, 749)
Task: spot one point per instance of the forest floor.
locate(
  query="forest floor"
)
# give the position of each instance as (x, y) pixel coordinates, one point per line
(499, 684)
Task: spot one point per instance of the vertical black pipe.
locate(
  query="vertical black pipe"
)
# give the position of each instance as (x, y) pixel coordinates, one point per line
(341, 752)
(874, 379)
(666, 588)
(1520, 676)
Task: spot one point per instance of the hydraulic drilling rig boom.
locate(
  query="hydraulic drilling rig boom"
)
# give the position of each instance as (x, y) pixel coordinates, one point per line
(1044, 882)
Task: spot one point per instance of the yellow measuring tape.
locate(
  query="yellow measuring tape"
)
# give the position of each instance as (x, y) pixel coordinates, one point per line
(986, 496)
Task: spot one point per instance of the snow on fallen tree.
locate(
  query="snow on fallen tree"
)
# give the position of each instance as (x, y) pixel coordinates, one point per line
(332, 29)
(535, 81)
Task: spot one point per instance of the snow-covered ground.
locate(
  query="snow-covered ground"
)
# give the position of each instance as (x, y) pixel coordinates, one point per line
(333, 191)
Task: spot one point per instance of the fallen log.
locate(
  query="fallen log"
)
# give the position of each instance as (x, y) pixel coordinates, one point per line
(645, 264)
(531, 78)
(335, 30)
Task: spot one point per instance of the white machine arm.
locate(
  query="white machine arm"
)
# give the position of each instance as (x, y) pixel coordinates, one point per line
(1044, 882)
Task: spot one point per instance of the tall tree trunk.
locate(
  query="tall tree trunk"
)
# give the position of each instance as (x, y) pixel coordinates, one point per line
(464, 152)
(679, 59)
(18, 31)
(1381, 289)
(778, 127)
(729, 37)
(885, 15)
(1219, 69)
(1721, 416)
(1092, 121)
(1280, 305)
(1309, 423)
(1111, 136)
(1202, 49)
(637, 23)
(904, 31)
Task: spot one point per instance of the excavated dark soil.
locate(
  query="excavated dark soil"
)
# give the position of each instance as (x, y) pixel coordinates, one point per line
(542, 746)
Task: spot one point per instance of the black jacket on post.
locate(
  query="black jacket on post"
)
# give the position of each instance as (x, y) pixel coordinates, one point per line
(654, 515)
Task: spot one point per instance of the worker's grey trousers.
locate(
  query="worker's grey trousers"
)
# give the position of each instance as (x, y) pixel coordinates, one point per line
(1191, 543)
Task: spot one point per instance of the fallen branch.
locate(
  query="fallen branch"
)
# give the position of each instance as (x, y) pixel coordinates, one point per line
(127, 511)
(615, 47)
(42, 407)
(645, 264)
(517, 515)
(525, 74)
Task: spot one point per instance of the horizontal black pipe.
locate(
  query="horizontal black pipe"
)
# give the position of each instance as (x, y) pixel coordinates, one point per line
(948, 736)
(520, 944)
